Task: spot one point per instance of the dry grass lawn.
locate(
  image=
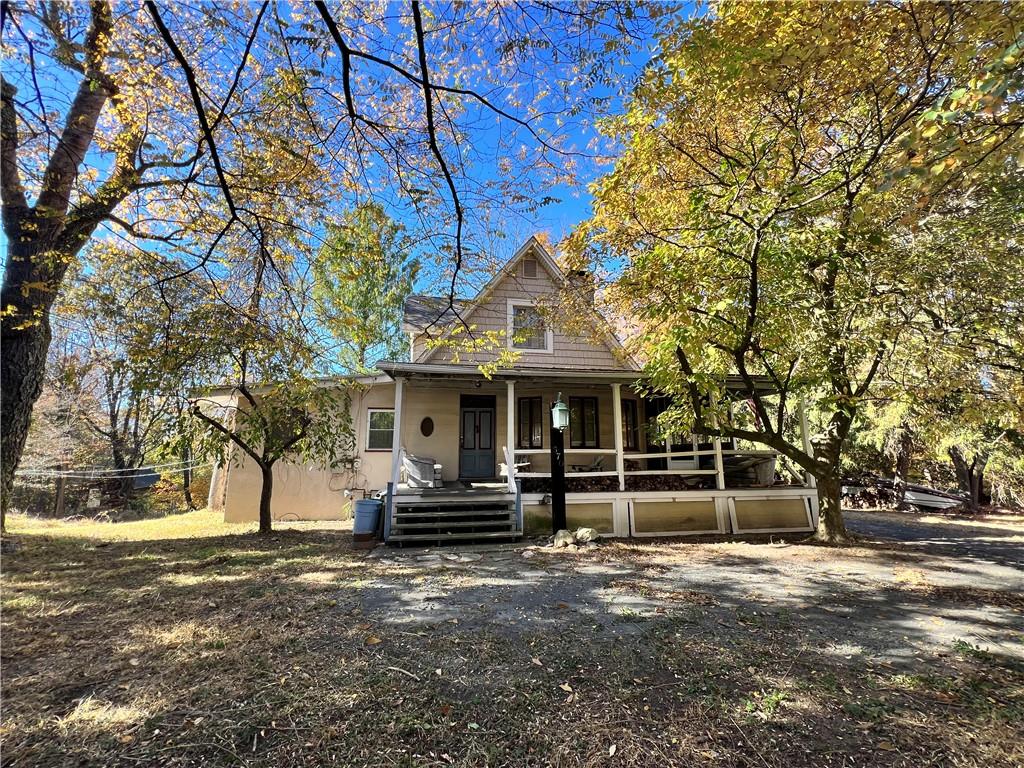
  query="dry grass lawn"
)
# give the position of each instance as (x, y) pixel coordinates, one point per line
(185, 641)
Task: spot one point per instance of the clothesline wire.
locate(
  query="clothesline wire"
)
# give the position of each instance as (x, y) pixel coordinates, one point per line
(178, 463)
(108, 475)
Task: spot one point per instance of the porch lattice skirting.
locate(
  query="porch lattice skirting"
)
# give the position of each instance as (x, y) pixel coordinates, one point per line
(687, 513)
(426, 520)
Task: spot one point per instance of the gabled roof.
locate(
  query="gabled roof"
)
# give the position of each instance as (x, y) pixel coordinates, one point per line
(533, 246)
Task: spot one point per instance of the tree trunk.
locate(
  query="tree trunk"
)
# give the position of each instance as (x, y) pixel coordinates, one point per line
(266, 491)
(831, 527)
(904, 453)
(978, 490)
(125, 483)
(186, 477)
(22, 365)
(43, 240)
(828, 449)
(970, 476)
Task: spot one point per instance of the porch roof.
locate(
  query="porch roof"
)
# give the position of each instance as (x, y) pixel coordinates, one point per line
(450, 371)
(395, 369)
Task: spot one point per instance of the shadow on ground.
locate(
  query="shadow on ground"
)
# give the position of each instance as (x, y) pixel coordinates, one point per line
(295, 650)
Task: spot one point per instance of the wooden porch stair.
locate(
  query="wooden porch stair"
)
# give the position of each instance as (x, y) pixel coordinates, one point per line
(440, 521)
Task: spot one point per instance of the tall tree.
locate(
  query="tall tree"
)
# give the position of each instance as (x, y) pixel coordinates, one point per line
(778, 160)
(363, 275)
(186, 124)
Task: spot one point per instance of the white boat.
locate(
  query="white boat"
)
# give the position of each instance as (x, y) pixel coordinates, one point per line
(917, 495)
(930, 498)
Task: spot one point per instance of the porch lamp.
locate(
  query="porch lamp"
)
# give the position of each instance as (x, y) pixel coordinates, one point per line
(559, 415)
(559, 422)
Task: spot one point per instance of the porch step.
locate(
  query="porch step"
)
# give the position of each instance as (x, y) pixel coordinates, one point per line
(443, 537)
(435, 499)
(464, 519)
(508, 521)
(448, 512)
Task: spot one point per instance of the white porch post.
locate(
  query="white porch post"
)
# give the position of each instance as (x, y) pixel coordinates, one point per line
(510, 432)
(396, 437)
(620, 461)
(805, 434)
(719, 465)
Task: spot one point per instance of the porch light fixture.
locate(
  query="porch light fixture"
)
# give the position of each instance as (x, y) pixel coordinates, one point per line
(559, 414)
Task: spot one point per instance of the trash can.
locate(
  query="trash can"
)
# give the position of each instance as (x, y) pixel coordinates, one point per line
(366, 520)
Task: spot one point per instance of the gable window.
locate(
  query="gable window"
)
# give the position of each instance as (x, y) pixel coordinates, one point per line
(529, 267)
(531, 423)
(583, 432)
(526, 328)
(380, 429)
(630, 426)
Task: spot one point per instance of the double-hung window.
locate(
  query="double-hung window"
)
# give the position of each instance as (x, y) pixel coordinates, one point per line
(380, 429)
(531, 423)
(630, 426)
(527, 329)
(583, 432)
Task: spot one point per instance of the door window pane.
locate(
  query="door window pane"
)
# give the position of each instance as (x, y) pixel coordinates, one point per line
(484, 422)
(469, 430)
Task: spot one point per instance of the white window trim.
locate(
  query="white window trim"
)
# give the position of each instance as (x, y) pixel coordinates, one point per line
(369, 414)
(549, 334)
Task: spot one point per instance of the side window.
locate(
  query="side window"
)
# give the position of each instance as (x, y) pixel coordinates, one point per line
(380, 429)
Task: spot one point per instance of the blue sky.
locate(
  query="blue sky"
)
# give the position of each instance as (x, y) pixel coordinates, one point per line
(557, 219)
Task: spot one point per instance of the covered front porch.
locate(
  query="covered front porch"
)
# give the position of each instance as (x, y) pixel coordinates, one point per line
(459, 435)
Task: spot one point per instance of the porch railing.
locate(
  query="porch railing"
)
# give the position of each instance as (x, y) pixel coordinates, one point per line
(718, 465)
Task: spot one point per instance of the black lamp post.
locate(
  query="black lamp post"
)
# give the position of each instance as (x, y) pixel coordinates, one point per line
(559, 422)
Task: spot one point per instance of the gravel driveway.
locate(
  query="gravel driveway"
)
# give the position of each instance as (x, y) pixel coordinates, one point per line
(990, 542)
(928, 587)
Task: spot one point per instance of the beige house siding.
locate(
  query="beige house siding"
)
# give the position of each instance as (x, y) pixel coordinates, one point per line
(417, 345)
(308, 491)
(569, 351)
(314, 492)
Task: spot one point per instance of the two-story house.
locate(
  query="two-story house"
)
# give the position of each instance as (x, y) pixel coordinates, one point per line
(457, 454)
